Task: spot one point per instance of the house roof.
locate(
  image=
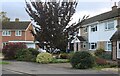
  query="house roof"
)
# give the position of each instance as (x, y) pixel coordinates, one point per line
(81, 38)
(22, 25)
(116, 36)
(104, 16)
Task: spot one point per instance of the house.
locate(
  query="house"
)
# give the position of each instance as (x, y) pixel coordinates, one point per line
(17, 31)
(115, 39)
(96, 32)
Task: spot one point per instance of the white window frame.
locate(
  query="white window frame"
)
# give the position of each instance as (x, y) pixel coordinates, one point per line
(18, 33)
(92, 43)
(4, 43)
(85, 29)
(107, 25)
(6, 33)
(94, 27)
(107, 44)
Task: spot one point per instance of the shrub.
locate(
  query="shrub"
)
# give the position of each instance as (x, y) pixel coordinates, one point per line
(105, 56)
(70, 55)
(34, 52)
(44, 58)
(10, 49)
(100, 61)
(64, 56)
(99, 51)
(24, 55)
(82, 60)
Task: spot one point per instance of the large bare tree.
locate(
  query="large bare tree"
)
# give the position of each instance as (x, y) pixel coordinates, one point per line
(52, 18)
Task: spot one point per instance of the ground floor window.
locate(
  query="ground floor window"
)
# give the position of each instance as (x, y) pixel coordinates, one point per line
(83, 44)
(4, 43)
(108, 46)
(92, 46)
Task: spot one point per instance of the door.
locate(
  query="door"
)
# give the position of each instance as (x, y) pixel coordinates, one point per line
(118, 49)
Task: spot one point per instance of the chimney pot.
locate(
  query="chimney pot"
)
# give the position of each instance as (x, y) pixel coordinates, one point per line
(16, 19)
(115, 6)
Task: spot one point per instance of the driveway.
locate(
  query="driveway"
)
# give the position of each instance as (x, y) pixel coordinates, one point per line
(36, 68)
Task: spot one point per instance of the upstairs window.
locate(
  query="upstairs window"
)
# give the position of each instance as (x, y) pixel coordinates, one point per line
(94, 28)
(86, 29)
(109, 25)
(6, 33)
(18, 33)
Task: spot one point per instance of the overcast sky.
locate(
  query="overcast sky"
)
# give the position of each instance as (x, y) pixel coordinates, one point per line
(16, 8)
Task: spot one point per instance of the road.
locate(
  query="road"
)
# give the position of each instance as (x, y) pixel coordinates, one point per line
(63, 69)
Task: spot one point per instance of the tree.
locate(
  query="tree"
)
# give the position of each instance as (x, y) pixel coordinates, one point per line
(52, 17)
(3, 17)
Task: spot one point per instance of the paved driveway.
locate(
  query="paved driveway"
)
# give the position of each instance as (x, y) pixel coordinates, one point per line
(35, 68)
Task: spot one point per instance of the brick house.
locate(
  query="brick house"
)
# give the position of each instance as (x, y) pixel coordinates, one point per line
(17, 31)
(96, 32)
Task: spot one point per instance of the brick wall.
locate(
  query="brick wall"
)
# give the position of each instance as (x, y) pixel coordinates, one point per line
(114, 50)
(13, 37)
(28, 35)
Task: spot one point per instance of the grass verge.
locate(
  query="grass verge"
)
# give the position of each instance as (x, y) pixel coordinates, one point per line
(4, 62)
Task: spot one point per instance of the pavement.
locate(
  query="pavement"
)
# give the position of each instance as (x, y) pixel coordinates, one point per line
(18, 67)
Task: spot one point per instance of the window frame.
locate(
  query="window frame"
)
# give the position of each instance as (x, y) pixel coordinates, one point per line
(107, 46)
(18, 32)
(94, 27)
(94, 44)
(85, 29)
(107, 25)
(6, 32)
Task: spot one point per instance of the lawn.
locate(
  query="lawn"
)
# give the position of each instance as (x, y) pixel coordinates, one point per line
(60, 61)
(4, 62)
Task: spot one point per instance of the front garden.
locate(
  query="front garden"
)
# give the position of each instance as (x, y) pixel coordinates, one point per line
(78, 60)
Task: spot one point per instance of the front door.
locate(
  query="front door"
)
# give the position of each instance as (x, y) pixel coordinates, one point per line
(118, 49)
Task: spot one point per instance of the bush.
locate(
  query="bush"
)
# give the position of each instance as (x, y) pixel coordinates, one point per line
(99, 51)
(100, 61)
(10, 49)
(105, 56)
(34, 52)
(24, 55)
(70, 55)
(44, 58)
(64, 56)
(82, 60)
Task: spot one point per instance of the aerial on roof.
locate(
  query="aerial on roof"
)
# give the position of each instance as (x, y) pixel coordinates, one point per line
(15, 25)
(103, 16)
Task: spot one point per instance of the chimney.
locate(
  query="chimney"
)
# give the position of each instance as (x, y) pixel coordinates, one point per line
(16, 19)
(114, 7)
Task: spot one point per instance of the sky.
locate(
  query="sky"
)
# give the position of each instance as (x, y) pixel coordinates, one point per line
(16, 8)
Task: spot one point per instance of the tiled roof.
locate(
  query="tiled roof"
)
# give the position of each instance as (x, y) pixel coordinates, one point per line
(22, 25)
(104, 16)
(81, 38)
(116, 36)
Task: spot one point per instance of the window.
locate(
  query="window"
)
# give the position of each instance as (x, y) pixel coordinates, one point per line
(83, 44)
(108, 46)
(92, 46)
(86, 29)
(94, 28)
(6, 33)
(18, 33)
(4, 43)
(109, 25)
